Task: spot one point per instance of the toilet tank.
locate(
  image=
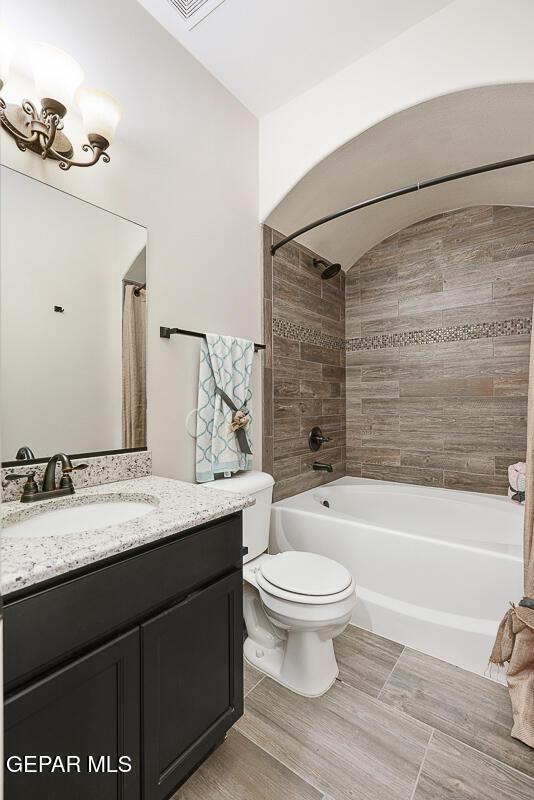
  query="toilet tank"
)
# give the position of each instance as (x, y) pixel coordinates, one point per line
(256, 519)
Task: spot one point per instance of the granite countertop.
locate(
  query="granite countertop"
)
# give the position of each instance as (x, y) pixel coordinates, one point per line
(177, 506)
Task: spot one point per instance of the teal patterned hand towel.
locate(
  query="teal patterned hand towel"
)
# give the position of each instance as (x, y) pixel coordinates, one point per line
(224, 396)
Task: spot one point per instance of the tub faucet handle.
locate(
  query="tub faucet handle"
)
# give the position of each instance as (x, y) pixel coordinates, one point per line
(316, 439)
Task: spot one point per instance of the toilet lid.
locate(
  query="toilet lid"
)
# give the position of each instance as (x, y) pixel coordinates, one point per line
(306, 574)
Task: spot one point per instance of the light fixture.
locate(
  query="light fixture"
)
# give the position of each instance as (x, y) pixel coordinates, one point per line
(100, 112)
(58, 78)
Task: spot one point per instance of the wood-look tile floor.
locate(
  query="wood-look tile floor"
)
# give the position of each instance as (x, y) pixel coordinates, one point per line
(397, 725)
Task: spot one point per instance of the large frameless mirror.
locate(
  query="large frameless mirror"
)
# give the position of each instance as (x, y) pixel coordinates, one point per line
(73, 324)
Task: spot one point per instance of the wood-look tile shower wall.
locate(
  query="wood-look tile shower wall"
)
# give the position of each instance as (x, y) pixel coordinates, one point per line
(434, 351)
(304, 381)
(453, 412)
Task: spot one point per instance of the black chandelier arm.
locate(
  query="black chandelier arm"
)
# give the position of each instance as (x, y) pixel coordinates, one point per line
(67, 163)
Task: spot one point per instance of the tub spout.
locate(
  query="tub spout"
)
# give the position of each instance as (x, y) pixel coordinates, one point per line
(320, 466)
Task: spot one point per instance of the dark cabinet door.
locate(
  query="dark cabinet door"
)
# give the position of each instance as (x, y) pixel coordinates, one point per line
(88, 708)
(192, 682)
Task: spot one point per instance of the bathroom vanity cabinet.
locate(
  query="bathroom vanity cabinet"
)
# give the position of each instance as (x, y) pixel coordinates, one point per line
(140, 657)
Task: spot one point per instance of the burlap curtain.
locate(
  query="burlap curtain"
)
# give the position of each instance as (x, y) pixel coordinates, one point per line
(134, 368)
(515, 640)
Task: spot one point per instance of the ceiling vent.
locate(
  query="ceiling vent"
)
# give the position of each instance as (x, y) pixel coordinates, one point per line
(194, 11)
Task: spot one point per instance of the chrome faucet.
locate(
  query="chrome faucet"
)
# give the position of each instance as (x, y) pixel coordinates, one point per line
(32, 492)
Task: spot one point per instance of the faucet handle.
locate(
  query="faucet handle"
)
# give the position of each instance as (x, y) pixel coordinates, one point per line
(73, 469)
(30, 487)
(66, 480)
(316, 439)
(14, 477)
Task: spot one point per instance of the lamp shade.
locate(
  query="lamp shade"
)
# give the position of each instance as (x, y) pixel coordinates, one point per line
(56, 74)
(101, 113)
(6, 52)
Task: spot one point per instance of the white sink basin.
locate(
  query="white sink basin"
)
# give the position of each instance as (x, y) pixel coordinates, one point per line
(75, 519)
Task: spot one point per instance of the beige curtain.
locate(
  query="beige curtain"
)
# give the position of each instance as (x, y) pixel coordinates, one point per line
(134, 368)
(515, 639)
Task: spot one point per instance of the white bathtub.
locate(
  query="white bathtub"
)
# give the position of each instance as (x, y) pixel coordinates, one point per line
(435, 569)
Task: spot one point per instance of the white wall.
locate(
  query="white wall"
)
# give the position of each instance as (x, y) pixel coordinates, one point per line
(61, 373)
(469, 43)
(185, 165)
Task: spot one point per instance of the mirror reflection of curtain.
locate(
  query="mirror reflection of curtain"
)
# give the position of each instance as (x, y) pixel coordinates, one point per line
(134, 367)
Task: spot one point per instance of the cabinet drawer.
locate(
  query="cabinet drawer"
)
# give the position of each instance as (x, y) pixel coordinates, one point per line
(53, 624)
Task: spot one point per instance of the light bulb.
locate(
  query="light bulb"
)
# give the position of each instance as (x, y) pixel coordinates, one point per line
(56, 74)
(101, 113)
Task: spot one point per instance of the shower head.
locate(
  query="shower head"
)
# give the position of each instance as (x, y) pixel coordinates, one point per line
(329, 270)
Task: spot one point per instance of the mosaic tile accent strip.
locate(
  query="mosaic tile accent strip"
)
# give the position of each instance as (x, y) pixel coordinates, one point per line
(455, 333)
(299, 333)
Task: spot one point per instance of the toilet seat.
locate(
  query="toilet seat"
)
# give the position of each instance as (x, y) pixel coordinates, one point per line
(304, 578)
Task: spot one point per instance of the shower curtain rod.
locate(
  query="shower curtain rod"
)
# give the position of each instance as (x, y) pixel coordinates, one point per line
(414, 187)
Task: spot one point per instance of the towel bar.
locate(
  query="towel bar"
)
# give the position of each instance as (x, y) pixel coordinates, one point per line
(166, 333)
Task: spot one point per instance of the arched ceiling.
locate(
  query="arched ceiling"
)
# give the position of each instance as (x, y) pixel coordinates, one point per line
(443, 135)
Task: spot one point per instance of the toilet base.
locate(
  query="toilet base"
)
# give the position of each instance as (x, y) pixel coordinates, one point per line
(303, 662)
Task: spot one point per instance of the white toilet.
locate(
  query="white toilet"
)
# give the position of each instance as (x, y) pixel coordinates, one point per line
(294, 603)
